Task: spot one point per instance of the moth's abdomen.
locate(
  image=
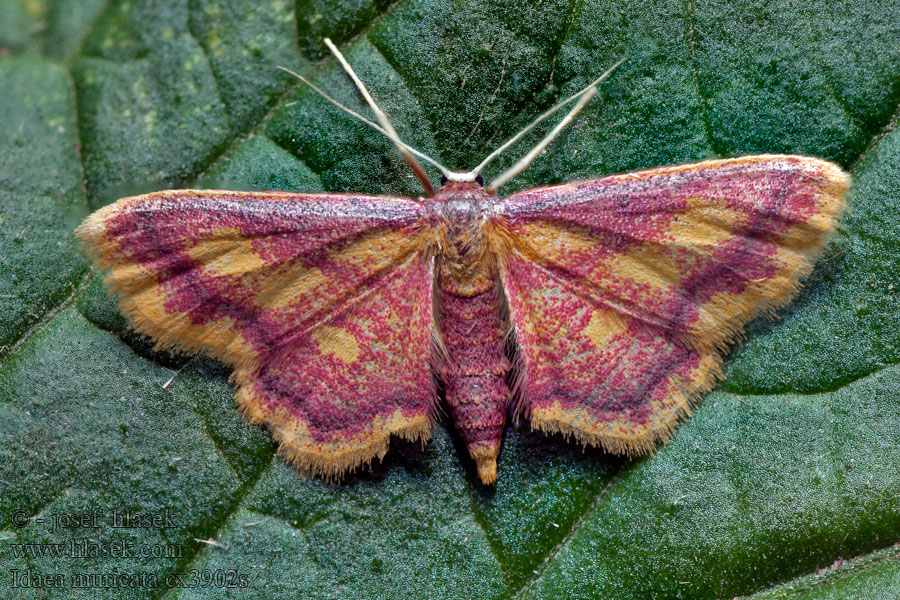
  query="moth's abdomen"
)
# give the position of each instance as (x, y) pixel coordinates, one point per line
(473, 365)
(474, 373)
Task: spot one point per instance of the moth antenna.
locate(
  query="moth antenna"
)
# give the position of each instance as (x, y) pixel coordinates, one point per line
(477, 170)
(523, 162)
(383, 121)
(444, 170)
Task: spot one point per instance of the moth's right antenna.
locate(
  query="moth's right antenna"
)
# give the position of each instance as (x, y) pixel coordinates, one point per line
(383, 121)
(588, 91)
(523, 162)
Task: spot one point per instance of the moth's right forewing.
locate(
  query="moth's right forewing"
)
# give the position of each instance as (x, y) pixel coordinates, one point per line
(626, 291)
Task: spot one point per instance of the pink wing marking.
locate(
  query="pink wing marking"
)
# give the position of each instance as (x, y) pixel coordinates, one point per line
(594, 373)
(333, 396)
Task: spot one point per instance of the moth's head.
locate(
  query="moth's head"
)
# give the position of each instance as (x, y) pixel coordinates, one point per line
(461, 201)
(457, 177)
(466, 188)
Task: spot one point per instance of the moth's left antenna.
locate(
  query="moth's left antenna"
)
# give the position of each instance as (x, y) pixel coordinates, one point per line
(444, 170)
(384, 122)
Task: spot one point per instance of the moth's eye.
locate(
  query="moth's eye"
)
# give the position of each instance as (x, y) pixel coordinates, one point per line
(479, 180)
(444, 180)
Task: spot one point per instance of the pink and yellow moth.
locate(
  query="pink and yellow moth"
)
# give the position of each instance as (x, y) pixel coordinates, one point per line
(599, 309)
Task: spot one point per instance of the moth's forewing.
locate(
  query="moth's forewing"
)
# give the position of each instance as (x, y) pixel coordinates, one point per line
(626, 291)
(321, 302)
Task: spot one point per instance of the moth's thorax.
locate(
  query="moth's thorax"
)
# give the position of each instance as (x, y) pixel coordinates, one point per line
(465, 264)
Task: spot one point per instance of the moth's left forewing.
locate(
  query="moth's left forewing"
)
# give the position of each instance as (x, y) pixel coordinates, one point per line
(320, 302)
(626, 291)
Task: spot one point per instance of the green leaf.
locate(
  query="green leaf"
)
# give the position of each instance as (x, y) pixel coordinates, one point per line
(786, 481)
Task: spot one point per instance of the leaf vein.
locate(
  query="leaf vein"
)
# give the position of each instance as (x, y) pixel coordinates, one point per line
(576, 526)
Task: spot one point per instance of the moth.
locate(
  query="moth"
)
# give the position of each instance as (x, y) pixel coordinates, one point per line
(598, 309)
